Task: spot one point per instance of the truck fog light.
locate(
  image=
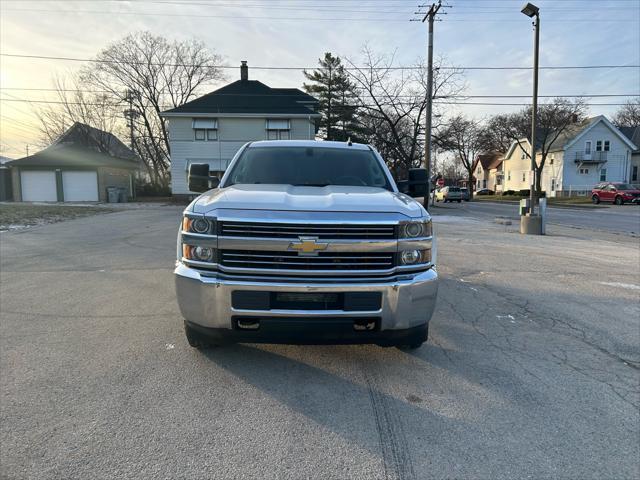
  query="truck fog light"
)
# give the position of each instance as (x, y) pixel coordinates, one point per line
(409, 257)
(202, 254)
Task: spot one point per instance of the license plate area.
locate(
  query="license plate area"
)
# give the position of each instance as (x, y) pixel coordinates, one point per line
(345, 301)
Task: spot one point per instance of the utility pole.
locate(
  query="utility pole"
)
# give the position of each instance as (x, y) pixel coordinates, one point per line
(430, 15)
(130, 114)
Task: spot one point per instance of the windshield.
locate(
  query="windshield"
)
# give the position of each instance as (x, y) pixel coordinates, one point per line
(308, 166)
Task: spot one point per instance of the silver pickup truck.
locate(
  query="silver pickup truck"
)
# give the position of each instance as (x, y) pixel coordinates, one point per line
(305, 242)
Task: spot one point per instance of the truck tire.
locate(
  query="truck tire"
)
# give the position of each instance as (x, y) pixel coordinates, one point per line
(415, 342)
(619, 200)
(197, 340)
(459, 201)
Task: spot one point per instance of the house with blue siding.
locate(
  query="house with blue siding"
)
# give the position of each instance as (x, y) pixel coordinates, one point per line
(587, 153)
(212, 128)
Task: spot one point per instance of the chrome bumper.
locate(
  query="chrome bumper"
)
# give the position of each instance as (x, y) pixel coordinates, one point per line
(407, 301)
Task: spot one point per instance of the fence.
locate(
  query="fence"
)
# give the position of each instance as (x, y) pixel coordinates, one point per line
(575, 191)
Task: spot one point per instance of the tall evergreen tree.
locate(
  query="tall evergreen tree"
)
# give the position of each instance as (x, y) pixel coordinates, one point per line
(331, 85)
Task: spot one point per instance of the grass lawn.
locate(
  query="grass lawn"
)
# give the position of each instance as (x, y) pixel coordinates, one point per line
(19, 215)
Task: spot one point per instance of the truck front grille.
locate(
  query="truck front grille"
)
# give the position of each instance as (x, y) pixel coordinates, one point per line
(290, 230)
(292, 261)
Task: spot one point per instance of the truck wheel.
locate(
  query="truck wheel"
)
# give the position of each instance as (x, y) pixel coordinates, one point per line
(196, 339)
(595, 199)
(619, 200)
(415, 342)
(459, 201)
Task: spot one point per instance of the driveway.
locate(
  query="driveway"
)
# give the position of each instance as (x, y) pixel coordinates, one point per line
(532, 369)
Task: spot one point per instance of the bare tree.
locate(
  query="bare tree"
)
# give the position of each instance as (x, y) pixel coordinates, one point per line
(554, 119)
(392, 103)
(76, 105)
(465, 139)
(628, 115)
(161, 74)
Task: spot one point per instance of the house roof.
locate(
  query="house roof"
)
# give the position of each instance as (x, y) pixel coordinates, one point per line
(633, 134)
(249, 96)
(82, 146)
(490, 160)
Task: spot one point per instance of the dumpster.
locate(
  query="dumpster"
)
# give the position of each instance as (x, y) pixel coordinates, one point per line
(122, 195)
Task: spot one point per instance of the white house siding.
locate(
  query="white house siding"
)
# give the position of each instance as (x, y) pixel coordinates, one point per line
(514, 167)
(617, 165)
(233, 132)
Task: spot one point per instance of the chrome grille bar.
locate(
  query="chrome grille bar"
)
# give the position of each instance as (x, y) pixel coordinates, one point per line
(324, 231)
(291, 260)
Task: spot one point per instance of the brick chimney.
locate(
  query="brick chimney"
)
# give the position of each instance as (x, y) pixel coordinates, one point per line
(244, 70)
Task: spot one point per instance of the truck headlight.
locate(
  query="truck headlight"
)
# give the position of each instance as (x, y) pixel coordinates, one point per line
(416, 229)
(199, 225)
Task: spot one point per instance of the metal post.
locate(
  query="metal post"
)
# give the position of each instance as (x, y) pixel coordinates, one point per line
(427, 131)
(534, 112)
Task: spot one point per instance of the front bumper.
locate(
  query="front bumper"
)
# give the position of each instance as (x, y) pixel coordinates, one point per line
(408, 301)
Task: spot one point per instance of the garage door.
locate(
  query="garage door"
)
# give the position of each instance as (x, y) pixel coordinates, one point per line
(80, 186)
(38, 186)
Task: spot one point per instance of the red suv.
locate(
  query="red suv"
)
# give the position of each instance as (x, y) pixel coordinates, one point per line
(615, 192)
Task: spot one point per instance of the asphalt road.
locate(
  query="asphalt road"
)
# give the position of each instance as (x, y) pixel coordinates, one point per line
(532, 369)
(623, 219)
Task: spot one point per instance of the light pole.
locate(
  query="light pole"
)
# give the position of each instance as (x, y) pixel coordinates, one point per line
(533, 223)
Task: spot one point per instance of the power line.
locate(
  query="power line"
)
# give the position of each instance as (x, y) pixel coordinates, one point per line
(116, 62)
(306, 18)
(441, 102)
(587, 95)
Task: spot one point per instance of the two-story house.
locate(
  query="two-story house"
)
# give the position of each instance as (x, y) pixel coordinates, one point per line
(212, 128)
(588, 152)
(488, 172)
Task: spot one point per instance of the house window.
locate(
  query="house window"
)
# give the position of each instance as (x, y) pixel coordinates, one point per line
(553, 184)
(484, 184)
(524, 176)
(205, 129)
(278, 130)
(523, 155)
(477, 184)
(607, 145)
(634, 173)
(598, 145)
(509, 175)
(603, 174)
(587, 147)
(584, 171)
(553, 157)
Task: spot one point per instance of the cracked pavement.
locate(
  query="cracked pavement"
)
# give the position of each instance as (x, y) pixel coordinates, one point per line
(532, 368)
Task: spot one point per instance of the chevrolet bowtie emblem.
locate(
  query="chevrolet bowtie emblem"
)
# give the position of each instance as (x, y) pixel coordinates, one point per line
(308, 246)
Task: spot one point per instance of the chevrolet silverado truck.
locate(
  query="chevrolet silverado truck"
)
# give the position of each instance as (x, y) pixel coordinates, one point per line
(306, 242)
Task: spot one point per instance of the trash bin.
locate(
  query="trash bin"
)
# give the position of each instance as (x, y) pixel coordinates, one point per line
(113, 194)
(122, 195)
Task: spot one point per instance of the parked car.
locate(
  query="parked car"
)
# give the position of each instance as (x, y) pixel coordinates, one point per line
(464, 192)
(615, 192)
(449, 194)
(485, 191)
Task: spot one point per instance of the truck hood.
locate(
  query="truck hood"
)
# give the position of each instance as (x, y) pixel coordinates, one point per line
(333, 198)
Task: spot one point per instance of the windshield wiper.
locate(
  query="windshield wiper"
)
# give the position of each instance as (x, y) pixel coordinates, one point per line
(310, 184)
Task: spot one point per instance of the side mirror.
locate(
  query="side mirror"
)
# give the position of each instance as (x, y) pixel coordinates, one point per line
(417, 182)
(199, 179)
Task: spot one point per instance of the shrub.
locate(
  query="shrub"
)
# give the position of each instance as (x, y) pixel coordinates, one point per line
(508, 192)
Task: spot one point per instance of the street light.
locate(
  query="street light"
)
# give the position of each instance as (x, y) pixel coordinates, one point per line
(533, 223)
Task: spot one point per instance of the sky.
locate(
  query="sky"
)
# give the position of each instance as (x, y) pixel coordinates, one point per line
(295, 33)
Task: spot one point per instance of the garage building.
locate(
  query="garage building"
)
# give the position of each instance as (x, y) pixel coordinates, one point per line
(78, 167)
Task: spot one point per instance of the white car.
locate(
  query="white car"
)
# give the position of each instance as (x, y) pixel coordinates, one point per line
(449, 194)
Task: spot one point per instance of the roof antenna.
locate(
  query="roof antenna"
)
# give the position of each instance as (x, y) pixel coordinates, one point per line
(349, 142)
